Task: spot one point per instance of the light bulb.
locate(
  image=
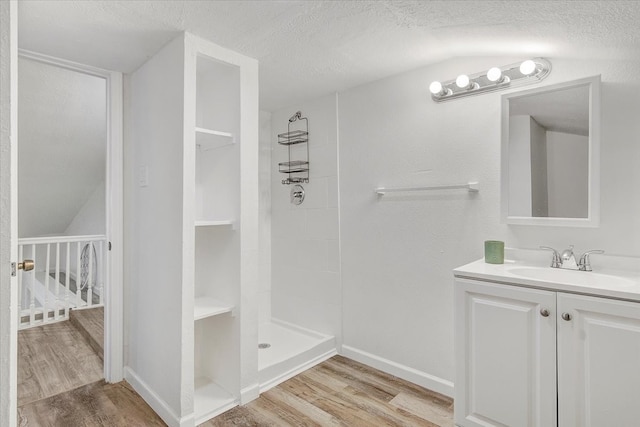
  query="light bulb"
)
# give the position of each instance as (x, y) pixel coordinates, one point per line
(527, 67)
(494, 74)
(435, 87)
(462, 81)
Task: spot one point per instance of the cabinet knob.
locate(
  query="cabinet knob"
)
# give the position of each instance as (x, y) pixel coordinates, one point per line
(566, 316)
(544, 312)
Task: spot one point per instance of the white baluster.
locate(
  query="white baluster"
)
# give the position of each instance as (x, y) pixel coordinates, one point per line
(20, 287)
(90, 275)
(78, 277)
(67, 275)
(45, 309)
(32, 302)
(100, 266)
(56, 312)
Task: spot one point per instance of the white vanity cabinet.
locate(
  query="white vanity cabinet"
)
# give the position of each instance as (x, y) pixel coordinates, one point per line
(598, 361)
(536, 357)
(505, 355)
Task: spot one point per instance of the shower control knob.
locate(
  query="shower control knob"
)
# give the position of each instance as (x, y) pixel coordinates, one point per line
(297, 194)
(566, 316)
(544, 312)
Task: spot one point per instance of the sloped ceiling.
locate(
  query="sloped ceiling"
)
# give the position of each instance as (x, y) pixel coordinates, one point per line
(311, 48)
(61, 155)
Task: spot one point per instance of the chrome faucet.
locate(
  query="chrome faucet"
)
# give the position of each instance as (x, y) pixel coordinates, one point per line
(568, 260)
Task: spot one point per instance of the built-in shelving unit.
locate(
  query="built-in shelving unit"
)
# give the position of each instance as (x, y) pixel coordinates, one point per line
(195, 128)
(217, 246)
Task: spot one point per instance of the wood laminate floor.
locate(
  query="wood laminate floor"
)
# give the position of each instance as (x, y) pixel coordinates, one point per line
(337, 392)
(92, 405)
(53, 359)
(341, 392)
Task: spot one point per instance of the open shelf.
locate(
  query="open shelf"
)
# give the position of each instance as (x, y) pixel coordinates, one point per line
(210, 400)
(210, 223)
(204, 307)
(208, 139)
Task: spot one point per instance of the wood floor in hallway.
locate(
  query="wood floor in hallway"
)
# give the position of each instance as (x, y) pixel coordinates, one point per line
(53, 359)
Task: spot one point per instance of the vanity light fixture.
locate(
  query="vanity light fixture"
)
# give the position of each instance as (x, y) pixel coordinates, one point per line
(496, 78)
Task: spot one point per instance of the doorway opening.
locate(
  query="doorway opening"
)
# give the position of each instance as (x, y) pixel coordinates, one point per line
(69, 215)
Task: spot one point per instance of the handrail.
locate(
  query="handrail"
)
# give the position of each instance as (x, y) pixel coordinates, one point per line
(472, 187)
(60, 239)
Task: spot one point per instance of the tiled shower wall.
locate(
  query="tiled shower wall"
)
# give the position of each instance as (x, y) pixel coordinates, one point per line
(306, 286)
(264, 217)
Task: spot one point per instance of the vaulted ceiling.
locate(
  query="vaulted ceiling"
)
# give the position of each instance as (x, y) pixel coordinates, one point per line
(62, 146)
(311, 48)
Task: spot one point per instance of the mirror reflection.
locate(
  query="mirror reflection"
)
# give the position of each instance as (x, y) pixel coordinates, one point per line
(548, 153)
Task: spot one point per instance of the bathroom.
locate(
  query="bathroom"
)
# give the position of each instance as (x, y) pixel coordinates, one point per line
(375, 273)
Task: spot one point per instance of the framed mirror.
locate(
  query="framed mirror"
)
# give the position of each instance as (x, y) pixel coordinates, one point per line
(551, 155)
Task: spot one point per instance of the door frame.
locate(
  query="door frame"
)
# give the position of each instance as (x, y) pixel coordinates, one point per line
(113, 314)
(8, 211)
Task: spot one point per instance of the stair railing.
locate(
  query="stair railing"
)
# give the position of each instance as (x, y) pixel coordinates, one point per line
(68, 273)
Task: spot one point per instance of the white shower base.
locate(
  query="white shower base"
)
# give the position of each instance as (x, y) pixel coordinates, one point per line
(293, 350)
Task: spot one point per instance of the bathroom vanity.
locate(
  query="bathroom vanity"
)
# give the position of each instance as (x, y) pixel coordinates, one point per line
(541, 346)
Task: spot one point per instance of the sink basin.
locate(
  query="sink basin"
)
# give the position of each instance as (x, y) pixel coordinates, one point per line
(583, 278)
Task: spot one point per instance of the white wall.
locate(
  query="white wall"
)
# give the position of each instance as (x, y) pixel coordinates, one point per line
(154, 234)
(63, 139)
(397, 254)
(568, 174)
(305, 284)
(264, 226)
(91, 218)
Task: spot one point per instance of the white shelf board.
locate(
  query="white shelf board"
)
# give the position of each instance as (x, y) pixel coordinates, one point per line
(209, 139)
(207, 307)
(210, 400)
(211, 223)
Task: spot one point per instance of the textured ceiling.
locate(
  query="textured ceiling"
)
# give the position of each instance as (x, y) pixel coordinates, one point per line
(310, 48)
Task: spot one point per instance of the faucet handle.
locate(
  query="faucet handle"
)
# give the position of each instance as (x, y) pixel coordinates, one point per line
(556, 261)
(584, 264)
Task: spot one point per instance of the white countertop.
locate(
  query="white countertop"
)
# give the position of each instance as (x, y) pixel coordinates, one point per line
(526, 268)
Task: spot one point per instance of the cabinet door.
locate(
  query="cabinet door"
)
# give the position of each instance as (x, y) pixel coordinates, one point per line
(505, 355)
(598, 362)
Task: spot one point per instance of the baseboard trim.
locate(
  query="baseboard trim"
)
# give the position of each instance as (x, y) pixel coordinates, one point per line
(250, 393)
(156, 402)
(297, 370)
(423, 379)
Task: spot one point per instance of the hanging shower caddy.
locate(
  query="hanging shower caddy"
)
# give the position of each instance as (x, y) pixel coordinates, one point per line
(297, 170)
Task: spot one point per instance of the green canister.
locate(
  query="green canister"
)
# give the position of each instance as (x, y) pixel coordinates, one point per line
(494, 252)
